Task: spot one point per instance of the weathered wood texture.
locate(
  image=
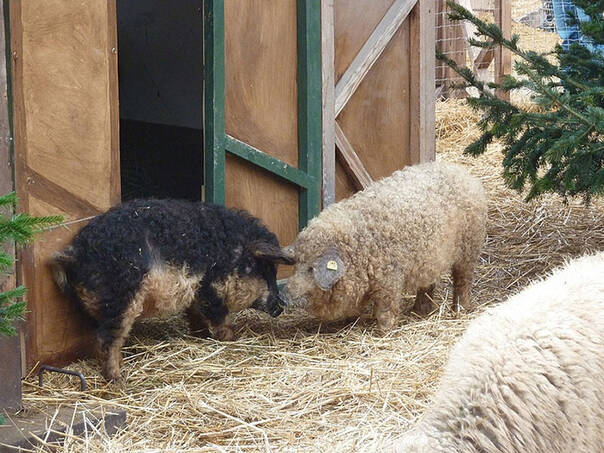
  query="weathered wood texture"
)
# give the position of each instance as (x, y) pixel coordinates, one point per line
(261, 107)
(350, 161)
(10, 373)
(328, 102)
(483, 5)
(480, 59)
(10, 348)
(422, 147)
(376, 121)
(66, 147)
(371, 51)
(503, 57)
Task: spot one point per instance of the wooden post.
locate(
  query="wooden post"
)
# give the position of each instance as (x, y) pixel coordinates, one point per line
(353, 166)
(10, 348)
(503, 57)
(310, 137)
(328, 189)
(10, 372)
(423, 73)
(214, 129)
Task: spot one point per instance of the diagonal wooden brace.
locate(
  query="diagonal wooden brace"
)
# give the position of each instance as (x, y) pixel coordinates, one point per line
(371, 51)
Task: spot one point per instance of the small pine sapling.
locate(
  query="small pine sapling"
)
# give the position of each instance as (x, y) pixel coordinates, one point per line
(21, 229)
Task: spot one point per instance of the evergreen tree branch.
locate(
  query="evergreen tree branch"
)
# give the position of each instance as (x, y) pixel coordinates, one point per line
(8, 199)
(558, 147)
(497, 39)
(549, 93)
(20, 228)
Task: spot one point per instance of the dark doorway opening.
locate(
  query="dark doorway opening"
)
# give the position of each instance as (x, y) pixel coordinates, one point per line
(161, 84)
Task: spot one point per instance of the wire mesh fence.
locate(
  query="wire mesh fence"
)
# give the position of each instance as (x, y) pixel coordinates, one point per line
(452, 40)
(541, 15)
(563, 17)
(551, 18)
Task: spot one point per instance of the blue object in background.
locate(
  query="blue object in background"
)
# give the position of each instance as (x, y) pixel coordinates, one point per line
(568, 31)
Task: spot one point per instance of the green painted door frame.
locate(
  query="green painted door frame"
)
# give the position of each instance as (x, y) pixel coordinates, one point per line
(307, 176)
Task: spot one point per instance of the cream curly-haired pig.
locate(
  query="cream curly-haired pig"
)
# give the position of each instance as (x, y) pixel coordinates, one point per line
(528, 375)
(397, 236)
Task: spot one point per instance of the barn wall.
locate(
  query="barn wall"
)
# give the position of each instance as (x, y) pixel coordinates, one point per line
(66, 148)
(381, 118)
(261, 107)
(67, 138)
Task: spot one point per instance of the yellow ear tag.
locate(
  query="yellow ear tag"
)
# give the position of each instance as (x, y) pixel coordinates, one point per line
(332, 265)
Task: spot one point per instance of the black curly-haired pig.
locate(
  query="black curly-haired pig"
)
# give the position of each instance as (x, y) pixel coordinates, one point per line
(155, 258)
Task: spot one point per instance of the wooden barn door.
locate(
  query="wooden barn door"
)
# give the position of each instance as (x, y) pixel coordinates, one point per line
(64, 72)
(378, 90)
(262, 116)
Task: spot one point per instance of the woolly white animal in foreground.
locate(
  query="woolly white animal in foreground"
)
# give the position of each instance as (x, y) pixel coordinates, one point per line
(397, 236)
(528, 375)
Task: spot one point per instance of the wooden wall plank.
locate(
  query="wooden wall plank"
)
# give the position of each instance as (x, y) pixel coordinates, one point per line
(265, 196)
(354, 22)
(484, 59)
(376, 119)
(503, 57)
(58, 330)
(389, 120)
(260, 67)
(469, 30)
(482, 5)
(370, 52)
(10, 348)
(481, 58)
(56, 38)
(344, 184)
(422, 145)
(115, 181)
(66, 140)
(350, 161)
(261, 107)
(10, 371)
(328, 188)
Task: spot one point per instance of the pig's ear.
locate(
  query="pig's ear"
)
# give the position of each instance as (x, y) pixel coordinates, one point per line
(58, 262)
(64, 257)
(271, 252)
(328, 269)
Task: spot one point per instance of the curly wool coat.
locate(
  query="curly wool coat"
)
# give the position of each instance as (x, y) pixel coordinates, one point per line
(149, 258)
(397, 236)
(528, 375)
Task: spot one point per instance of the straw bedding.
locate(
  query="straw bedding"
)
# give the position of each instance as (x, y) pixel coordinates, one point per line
(292, 384)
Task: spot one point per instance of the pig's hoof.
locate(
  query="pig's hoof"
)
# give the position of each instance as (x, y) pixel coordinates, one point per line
(113, 376)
